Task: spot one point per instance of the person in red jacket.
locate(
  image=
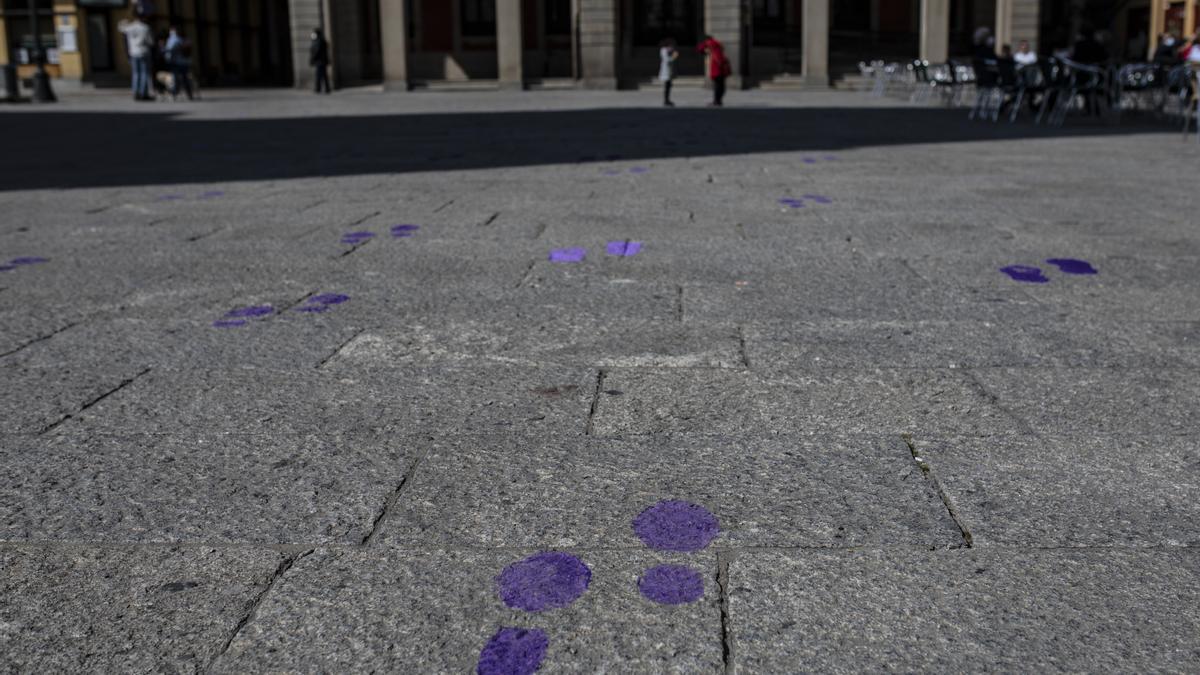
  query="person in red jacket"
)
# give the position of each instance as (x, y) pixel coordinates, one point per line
(718, 67)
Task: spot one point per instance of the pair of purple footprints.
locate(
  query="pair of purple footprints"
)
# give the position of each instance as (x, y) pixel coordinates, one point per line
(798, 202)
(363, 236)
(624, 248)
(1034, 275)
(22, 262)
(315, 304)
(553, 579)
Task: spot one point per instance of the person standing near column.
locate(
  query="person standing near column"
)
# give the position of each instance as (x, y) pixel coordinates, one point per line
(179, 58)
(139, 41)
(318, 58)
(666, 69)
(718, 67)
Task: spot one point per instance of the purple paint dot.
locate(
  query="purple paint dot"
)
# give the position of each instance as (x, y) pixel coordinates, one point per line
(633, 248)
(229, 323)
(1065, 265)
(674, 525)
(28, 261)
(255, 310)
(671, 585)
(543, 581)
(568, 255)
(513, 651)
(810, 160)
(329, 299)
(639, 169)
(830, 158)
(404, 230)
(357, 237)
(212, 193)
(1025, 273)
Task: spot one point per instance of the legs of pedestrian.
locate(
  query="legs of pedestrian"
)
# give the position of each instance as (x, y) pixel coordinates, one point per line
(140, 65)
(182, 79)
(322, 79)
(667, 93)
(719, 91)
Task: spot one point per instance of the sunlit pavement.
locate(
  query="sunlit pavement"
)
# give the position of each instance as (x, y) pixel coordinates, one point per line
(443, 381)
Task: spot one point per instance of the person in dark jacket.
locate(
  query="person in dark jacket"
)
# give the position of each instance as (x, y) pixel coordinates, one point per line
(318, 58)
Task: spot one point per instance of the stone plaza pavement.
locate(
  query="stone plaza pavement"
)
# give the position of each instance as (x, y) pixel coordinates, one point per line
(250, 424)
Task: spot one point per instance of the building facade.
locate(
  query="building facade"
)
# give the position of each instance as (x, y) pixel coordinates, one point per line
(233, 41)
(578, 43)
(614, 43)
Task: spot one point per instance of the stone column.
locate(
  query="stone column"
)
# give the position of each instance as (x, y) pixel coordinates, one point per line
(1004, 29)
(935, 30)
(393, 36)
(303, 16)
(510, 47)
(596, 29)
(1026, 22)
(816, 43)
(723, 20)
(1017, 20)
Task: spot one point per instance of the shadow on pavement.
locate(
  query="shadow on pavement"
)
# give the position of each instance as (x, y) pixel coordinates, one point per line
(88, 149)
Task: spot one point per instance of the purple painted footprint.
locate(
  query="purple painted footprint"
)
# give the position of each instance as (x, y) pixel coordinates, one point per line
(400, 231)
(627, 249)
(820, 199)
(675, 525)
(1026, 273)
(357, 237)
(238, 317)
(792, 202)
(543, 581)
(568, 255)
(211, 194)
(639, 170)
(28, 260)
(513, 651)
(1066, 266)
(319, 303)
(228, 323)
(671, 585)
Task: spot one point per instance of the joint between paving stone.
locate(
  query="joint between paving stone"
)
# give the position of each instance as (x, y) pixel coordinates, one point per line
(679, 303)
(340, 347)
(89, 404)
(927, 472)
(255, 603)
(723, 589)
(42, 338)
(742, 346)
(377, 524)
(600, 375)
(995, 400)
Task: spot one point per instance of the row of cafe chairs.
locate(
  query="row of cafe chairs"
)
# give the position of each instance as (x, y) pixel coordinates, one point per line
(1052, 88)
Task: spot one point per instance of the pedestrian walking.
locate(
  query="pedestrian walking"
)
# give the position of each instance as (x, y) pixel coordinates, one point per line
(139, 40)
(718, 67)
(318, 58)
(667, 55)
(179, 59)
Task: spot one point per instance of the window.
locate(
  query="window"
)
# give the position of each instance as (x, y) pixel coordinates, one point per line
(654, 20)
(478, 18)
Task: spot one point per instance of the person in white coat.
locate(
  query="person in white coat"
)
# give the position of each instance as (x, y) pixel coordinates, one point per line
(667, 55)
(139, 40)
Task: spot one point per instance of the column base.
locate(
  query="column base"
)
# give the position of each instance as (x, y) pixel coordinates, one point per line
(599, 83)
(511, 86)
(396, 85)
